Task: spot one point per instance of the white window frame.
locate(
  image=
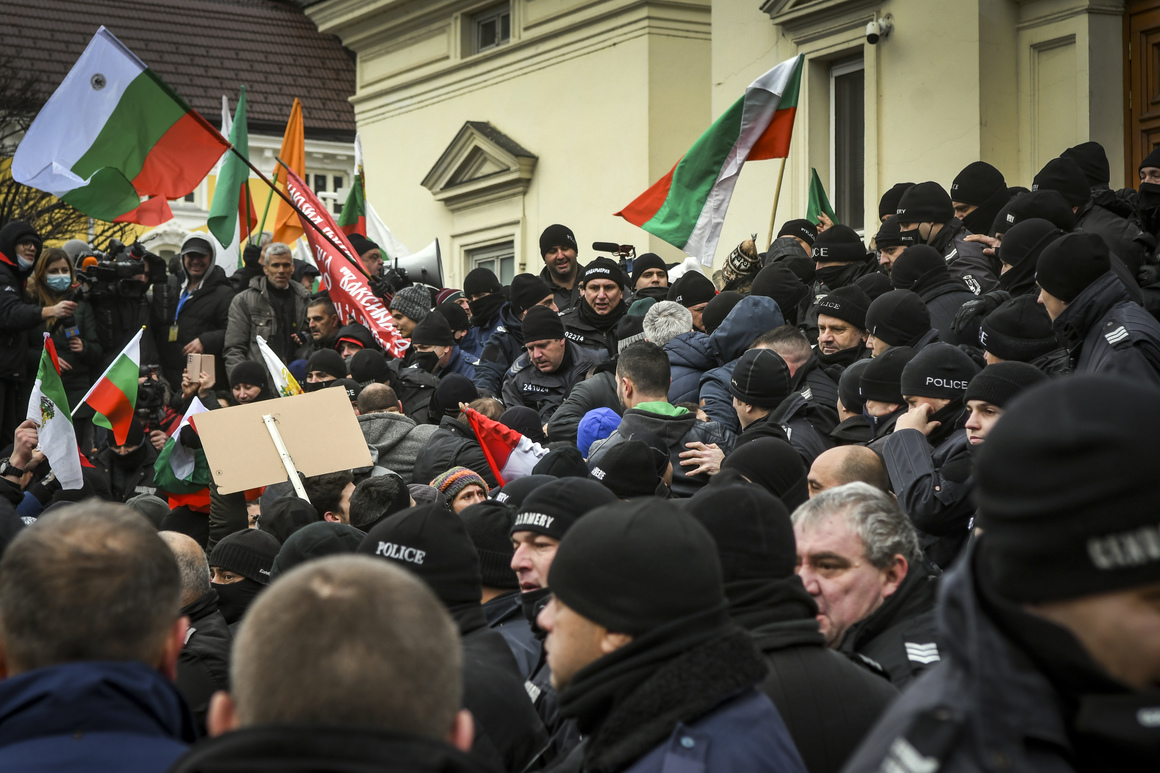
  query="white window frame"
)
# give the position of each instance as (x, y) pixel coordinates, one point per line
(494, 253)
(496, 12)
(837, 71)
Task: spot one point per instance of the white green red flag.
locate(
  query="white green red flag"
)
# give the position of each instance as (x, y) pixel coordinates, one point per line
(48, 408)
(114, 395)
(115, 141)
(232, 214)
(687, 206)
(510, 454)
(181, 470)
(359, 216)
(347, 286)
(282, 379)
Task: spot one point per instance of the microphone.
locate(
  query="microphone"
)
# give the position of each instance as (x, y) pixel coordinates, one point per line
(90, 260)
(606, 247)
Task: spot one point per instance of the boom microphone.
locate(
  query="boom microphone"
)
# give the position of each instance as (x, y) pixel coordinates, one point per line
(606, 247)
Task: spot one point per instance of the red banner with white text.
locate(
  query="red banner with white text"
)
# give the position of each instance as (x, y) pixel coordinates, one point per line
(348, 288)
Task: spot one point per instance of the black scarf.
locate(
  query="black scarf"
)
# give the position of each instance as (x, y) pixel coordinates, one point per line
(981, 220)
(1020, 278)
(756, 603)
(484, 309)
(833, 277)
(1100, 713)
(605, 323)
(835, 364)
(1148, 207)
(951, 417)
(235, 598)
(658, 294)
(532, 602)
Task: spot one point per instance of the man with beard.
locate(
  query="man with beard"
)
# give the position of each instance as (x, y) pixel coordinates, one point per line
(928, 454)
(591, 322)
(926, 214)
(890, 243)
(650, 277)
(561, 271)
(842, 329)
(324, 324)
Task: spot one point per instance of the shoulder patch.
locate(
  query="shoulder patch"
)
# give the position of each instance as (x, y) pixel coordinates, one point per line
(926, 744)
(807, 393)
(923, 654)
(1116, 333)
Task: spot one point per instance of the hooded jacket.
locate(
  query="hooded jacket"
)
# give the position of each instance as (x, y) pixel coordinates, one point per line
(524, 384)
(17, 316)
(502, 348)
(452, 444)
(690, 356)
(1105, 332)
(251, 315)
(966, 260)
(675, 427)
(204, 314)
(747, 320)
(92, 716)
(395, 441)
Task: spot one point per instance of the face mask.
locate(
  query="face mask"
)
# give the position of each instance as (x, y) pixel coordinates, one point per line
(314, 386)
(1148, 205)
(428, 361)
(483, 308)
(911, 237)
(58, 282)
(25, 265)
(235, 598)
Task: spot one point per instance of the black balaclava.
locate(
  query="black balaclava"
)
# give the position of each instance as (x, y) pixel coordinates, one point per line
(236, 597)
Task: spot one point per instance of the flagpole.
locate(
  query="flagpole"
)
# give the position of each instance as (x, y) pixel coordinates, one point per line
(776, 195)
(303, 217)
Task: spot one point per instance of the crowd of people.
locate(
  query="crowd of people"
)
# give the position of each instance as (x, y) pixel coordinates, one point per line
(835, 506)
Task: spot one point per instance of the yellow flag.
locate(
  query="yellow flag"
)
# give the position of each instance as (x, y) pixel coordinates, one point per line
(287, 228)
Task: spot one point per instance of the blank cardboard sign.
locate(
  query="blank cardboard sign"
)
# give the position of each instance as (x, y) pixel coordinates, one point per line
(319, 429)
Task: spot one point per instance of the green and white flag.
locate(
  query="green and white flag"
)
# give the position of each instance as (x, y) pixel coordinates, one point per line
(181, 470)
(48, 408)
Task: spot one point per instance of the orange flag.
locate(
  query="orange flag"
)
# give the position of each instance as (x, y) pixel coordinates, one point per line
(287, 228)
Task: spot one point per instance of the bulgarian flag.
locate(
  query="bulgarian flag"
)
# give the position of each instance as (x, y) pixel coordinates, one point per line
(353, 218)
(687, 206)
(509, 454)
(48, 408)
(181, 470)
(114, 396)
(115, 142)
(232, 205)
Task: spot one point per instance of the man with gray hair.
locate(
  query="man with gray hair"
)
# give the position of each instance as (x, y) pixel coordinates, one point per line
(859, 557)
(666, 320)
(203, 667)
(272, 307)
(346, 663)
(90, 633)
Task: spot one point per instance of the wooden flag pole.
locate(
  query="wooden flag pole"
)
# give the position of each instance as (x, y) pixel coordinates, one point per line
(776, 195)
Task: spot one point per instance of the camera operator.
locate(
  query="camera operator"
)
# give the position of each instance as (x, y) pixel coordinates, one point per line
(20, 246)
(196, 322)
(118, 288)
(155, 409)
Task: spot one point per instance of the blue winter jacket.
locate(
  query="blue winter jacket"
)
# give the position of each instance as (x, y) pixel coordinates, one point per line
(92, 717)
(750, 318)
(690, 355)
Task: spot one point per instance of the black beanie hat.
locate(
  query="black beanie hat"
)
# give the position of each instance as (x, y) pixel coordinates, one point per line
(525, 421)
(356, 334)
(1045, 204)
(515, 492)
(779, 282)
(453, 389)
(1152, 159)
(919, 262)
(760, 378)
(603, 268)
(323, 538)
(940, 371)
(136, 434)
(773, 464)
(926, 202)
(479, 281)
(848, 303)
(434, 330)
(898, 317)
(1066, 177)
(628, 470)
(286, 515)
(616, 567)
(849, 387)
(875, 285)
(802, 229)
(1019, 329)
(1066, 487)
(890, 234)
(249, 552)
(351, 387)
(1000, 382)
(527, 291)
(752, 530)
(369, 366)
(456, 317)
(977, 182)
(431, 542)
(881, 380)
(489, 526)
(839, 244)
(361, 244)
(553, 508)
(719, 308)
(691, 289)
(1026, 240)
(248, 372)
(328, 361)
(563, 462)
(1072, 262)
(647, 261)
(1093, 160)
(888, 204)
(556, 236)
(542, 324)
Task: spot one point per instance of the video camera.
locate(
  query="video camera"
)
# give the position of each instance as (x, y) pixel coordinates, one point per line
(626, 253)
(150, 407)
(119, 271)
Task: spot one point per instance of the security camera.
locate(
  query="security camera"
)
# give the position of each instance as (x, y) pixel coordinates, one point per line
(879, 29)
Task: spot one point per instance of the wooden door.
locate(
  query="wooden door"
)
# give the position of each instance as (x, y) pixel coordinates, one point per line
(1142, 84)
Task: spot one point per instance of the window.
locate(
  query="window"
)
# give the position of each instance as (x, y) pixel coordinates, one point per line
(191, 198)
(491, 28)
(847, 142)
(499, 258)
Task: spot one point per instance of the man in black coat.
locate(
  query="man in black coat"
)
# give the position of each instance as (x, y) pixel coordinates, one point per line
(592, 320)
(926, 214)
(431, 542)
(203, 667)
(196, 324)
(828, 701)
(876, 598)
(922, 270)
(400, 709)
